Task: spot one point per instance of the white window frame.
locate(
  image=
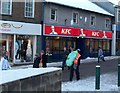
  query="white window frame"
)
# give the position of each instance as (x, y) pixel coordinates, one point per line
(55, 20)
(94, 22)
(10, 13)
(118, 15)
(77, 17)
(32, 11)
(107, 24)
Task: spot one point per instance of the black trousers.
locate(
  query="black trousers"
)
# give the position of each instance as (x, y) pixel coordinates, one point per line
(76, 72)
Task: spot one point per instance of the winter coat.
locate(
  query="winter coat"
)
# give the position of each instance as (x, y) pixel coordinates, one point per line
(5, 64)
(36, 62)
(100, 52)
(44, 60)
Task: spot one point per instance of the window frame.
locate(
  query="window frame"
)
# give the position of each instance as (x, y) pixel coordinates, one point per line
(107, 23)
(33, 9)
(10, 13)
(55, 20)
(118, 14)
(94, 23)
(77, 17)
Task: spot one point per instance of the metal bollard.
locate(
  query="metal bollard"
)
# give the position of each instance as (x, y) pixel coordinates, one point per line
(97, 81)
(118, 75)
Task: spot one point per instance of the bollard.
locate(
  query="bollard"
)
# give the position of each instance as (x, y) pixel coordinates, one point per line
(97, 81)
(118, 75)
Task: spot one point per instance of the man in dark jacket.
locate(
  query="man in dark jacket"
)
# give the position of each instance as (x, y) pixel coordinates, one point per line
(36, 61)
(65, 54)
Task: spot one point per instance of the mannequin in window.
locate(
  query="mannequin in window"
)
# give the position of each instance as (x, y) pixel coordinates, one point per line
(53, 30)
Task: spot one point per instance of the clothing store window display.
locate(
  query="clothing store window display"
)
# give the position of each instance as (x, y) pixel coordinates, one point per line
(24, 50)
(18, 49)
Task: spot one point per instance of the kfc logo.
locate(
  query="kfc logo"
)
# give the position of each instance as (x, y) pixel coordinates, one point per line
(95, 34)
(66, 31)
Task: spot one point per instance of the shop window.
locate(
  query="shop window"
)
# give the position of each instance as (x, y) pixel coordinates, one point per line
(24, 48)
(87, 45)
(53, 16)
(6, 7)
(29, 8)
(91, 45)
(56, 44)
(104, 44)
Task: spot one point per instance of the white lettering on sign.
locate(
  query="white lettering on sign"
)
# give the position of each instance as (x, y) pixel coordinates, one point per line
(66, 31)
(95, 33)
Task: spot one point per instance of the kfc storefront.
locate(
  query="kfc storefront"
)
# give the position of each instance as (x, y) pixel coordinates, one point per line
(58, 37)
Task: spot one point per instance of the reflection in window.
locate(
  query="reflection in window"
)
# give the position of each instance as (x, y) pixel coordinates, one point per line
(56, 45)
(6, 7)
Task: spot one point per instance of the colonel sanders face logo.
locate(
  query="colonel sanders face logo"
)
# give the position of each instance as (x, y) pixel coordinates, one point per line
(104, 34)
(53, 30)
(82, 33)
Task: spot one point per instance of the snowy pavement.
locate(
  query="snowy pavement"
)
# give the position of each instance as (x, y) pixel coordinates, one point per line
(59, 64)
(108, 82)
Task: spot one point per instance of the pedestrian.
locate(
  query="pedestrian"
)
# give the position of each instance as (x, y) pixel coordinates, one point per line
(75, 66)
(70, 49)
(44, 58)
(4, 62)
(36, 61)
(65, 54)
(6, 55)
(100, 54)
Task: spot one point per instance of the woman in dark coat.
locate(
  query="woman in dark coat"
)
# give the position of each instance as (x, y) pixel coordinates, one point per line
(36, 61)
(43, 59)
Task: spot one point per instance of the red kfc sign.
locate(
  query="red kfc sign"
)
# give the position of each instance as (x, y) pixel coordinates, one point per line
(77, 32)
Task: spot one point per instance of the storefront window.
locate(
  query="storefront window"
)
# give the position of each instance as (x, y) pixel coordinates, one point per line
(56, 44)
(93, 44)
(96, 46)
(24, 48)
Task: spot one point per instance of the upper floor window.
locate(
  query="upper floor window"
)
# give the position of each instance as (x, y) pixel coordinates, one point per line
(92, 21)
(53, 16)
(118, 15)
(29, 8)
(75, 18)
(107, 23)
(6, 7)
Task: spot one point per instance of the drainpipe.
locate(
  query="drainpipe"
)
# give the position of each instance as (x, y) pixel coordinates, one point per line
(43, 42)
(114, 40)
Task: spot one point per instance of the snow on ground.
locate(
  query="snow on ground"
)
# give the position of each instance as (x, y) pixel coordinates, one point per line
(108, 83)
(89, 59)
(23, 73)
(59, 64)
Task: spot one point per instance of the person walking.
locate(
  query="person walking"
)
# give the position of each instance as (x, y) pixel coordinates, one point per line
(4, 62)
(65, 54)
(36, 61)
(75, 67)
(100, 54)
(43, 60)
